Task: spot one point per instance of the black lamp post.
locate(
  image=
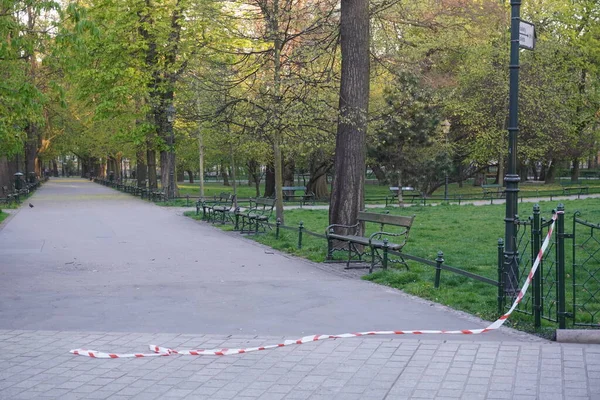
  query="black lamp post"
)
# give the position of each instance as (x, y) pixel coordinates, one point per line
(511, 263)
(170, 119)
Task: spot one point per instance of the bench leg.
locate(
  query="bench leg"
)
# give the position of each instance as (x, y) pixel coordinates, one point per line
(385, 255)
(349, 254)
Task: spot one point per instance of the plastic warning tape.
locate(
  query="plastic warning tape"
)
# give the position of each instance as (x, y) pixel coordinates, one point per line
(158, 351)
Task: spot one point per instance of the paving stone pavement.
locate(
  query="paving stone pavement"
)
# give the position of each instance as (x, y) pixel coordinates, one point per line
(76, 273)
(37, 365)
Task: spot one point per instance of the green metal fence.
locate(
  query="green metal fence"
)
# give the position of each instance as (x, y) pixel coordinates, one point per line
(566, 286)
(584, 307)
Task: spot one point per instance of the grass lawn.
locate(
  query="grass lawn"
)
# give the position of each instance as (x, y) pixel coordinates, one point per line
(3, 216)
(376, 193)
(467, 235)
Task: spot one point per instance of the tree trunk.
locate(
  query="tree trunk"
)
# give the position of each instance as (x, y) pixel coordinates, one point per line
(190, 175)
(54, 168)
(31, 148)
(523, 171)
(289, 169)
(141, 171)
(201, 161)
(347, 196)
(254, 175)
(269, 181)
(233, 172)
(479, 179)
(575, 170)
(550, 173)
(318, 169)
(500, 174)
(534, 171)
(379, 174)
(224, 175)
(278, 172)
(151, 159)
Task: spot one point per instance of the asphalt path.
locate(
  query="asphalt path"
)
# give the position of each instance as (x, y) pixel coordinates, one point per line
(89, 258)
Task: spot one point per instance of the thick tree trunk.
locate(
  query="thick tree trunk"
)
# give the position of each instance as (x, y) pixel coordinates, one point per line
(224, 175)
(151, 159)
(500, 174)
(347, 197)
(54, 168)
(550, 173)
(289, 169)
(575, 170)
(523, 171)
(141, 169)
(269, 181)
(318, 169)
(31, 149)
(190, 175)
(534, 171)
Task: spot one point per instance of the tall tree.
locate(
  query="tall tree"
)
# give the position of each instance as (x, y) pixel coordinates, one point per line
(347, 195)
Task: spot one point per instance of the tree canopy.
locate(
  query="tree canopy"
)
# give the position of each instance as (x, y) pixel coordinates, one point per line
(255, 85)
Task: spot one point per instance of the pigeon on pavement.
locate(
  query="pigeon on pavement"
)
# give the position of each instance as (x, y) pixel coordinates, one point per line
(30, 205)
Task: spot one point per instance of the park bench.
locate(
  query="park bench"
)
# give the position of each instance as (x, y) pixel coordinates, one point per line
(256, 215)
(9, 196)
(574, 187)
(589, 174)
(24, 191)
(223, 209)
(289, 194)
(493, 191)
(207, 203)
(376, 245)
(408, 192)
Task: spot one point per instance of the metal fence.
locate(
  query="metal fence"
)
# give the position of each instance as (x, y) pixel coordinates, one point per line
(566, 287)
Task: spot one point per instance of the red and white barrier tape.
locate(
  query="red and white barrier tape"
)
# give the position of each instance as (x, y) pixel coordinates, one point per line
(158, 351)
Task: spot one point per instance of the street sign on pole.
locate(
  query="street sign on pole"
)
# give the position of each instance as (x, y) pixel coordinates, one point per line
(526, 35)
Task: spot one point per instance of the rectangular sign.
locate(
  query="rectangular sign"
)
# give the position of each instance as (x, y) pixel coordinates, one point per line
(526, 35)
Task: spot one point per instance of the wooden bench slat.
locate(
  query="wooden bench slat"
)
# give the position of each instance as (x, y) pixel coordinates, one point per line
(375, 241)
(385, 218)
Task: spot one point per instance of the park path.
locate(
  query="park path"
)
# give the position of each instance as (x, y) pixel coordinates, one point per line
(87, 257)
(89, 267)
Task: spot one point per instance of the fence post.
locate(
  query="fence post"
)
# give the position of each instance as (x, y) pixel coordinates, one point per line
(500, 276)
(537, 278)
(438, 269)
(277, 225)
(560, 266)
(300, 229)
(187, 200)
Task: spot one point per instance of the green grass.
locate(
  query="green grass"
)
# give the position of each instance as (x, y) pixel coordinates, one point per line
(3, 216)
(376, 193)
(467, 235)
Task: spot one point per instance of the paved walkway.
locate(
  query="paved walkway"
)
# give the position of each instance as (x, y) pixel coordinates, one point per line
(89, 266)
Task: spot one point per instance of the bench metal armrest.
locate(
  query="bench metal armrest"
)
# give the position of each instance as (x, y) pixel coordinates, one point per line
(387, 234)
(378, 235)
(330, 227)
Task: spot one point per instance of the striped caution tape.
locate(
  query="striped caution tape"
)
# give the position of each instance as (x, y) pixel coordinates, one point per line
(158, 351)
